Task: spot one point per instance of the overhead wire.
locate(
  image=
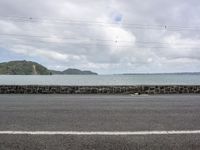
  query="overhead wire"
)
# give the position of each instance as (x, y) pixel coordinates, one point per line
(63, 40)
(97, 23)
(117, 42)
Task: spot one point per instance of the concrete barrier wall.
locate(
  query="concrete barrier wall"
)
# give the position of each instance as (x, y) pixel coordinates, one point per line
(140, 89)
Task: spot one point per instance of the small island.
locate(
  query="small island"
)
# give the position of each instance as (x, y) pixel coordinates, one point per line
(33, 68)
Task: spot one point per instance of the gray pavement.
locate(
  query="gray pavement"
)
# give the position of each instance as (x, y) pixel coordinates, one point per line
(99, 113)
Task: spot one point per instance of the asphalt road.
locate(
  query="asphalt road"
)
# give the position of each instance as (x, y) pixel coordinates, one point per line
(99, 113)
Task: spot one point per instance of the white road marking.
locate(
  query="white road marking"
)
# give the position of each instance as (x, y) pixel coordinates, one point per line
(173, 132)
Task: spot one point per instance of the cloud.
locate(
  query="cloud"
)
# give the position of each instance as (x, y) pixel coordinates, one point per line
(107, 36)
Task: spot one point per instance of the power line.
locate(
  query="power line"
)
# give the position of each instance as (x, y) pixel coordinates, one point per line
(97, 23)
(23, 36)
(34, 19)
(105, 45)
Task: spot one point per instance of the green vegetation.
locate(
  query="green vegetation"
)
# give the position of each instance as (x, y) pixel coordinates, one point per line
(71, 71)
(76, 71)
(23, 68)
(33, 68)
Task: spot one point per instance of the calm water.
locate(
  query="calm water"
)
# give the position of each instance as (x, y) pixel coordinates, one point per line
(185, 79)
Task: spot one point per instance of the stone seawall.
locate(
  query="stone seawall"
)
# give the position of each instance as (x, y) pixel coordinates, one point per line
(138, 89)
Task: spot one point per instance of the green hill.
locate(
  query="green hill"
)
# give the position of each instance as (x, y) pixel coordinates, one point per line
(71, 71)
(23, 68)
(78, 72)
(33, 68)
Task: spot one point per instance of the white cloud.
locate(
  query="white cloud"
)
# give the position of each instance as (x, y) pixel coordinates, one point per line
(48, 54)
(93, 35)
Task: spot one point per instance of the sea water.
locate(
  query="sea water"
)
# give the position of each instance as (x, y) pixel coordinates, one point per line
(139, 79)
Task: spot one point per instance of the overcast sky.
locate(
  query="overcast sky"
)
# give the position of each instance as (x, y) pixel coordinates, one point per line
(105, 36)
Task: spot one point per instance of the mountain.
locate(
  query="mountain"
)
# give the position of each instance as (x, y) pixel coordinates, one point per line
(33, 68)
(72, 71)
(23, 68)
(54, 72)
(78, 72)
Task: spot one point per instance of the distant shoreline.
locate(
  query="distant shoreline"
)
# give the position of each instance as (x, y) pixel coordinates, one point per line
(181, 73)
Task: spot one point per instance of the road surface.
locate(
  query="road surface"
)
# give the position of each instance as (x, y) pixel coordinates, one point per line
(99, 122)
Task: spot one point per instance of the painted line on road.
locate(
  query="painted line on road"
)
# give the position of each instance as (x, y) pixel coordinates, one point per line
(173, 132)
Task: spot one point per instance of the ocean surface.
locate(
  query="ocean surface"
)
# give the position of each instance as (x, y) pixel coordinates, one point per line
(144, 79)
